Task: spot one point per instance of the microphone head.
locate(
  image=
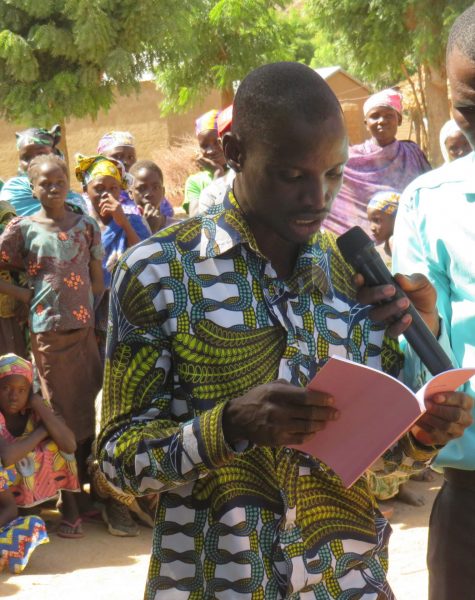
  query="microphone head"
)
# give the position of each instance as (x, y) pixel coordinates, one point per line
(352, 242)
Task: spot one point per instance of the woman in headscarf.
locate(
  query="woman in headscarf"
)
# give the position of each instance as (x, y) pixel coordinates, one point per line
(453, 143)
(378, 164)
(210, 160)
(17, 191)
(120, 145)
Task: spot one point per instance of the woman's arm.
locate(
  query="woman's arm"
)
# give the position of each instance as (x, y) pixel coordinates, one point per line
(13, 452)
(8, 507)
(16, 291)
(54, 425)
(97, 277)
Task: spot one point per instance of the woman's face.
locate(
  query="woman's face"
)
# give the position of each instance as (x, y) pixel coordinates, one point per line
(382, 123)
(28, 153)
(457, 146)
(101, 187)
(50, 185)
(125, 154)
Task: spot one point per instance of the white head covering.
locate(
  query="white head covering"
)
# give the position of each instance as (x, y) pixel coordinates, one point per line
(446, 131)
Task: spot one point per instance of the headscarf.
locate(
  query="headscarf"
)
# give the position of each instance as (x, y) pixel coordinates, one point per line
(91, 167)
(388, 98)
(447, 130)
(112, 139)
(37, 135)
(207, 121)
(225, 120)
(11, 364)
(387, 202)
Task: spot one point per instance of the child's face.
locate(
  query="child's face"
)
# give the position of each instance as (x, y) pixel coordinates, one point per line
(50, 185)
(147, 188)
(382, 123)
(457, 145)
(101, 187)
(381, 225)
(14, 394)
(126, 155)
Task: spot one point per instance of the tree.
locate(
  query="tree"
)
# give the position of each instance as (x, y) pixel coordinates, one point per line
(217, 45)
(62, 58)
(385, 41)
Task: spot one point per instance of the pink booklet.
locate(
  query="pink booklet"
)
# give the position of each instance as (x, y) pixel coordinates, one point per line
(375, 411)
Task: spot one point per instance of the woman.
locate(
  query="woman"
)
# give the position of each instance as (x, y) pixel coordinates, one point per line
(378, 164)
(453, 143)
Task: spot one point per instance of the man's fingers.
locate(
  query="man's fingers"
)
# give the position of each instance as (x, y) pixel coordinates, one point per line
(458, 399)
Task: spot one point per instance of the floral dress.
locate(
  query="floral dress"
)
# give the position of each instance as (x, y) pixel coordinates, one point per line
(21, 536)
(42, 473)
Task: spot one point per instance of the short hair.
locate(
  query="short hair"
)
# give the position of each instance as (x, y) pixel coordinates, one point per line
(54, 159)
(271, 93)
(462, 34)
(146, 164)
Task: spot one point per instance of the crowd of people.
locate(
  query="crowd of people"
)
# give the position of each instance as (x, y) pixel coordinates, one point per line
(195, 338)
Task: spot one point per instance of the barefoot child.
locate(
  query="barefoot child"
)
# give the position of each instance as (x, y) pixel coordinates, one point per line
(61, 254)
(37, 454)
(147, 191)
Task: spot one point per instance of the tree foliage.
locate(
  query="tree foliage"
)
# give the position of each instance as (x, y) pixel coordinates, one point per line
(62, 58)
(218, 43)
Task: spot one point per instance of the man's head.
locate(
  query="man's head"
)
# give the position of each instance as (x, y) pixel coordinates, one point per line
(461, 72)
(288, 146)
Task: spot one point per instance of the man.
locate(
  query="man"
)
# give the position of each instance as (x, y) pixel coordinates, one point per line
(434, 235)
(217, 324)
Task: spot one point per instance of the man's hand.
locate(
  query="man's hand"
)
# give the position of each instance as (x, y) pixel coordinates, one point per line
(419, 291)
(277, 414)
(447, 417)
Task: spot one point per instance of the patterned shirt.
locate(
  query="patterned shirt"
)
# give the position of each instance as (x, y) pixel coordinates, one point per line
(57, 270)
(199, 316)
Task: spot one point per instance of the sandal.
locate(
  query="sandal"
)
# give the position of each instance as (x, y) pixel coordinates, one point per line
(66, 529)
(92, 516)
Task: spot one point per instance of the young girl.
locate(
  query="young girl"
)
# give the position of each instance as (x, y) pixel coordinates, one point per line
(381, 210)
(36, 451)
(61, 254)
(147, 191)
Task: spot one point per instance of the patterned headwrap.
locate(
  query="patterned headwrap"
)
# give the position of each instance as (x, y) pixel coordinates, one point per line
(225, 120)
(36, 135)
(207, 121)
(11, 364)
(90, 167)
(112, 139)
(386, 201)
(388, 98)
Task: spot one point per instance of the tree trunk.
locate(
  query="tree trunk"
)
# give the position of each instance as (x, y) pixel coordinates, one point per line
(436, 94)
(227, 96)
(63, 145)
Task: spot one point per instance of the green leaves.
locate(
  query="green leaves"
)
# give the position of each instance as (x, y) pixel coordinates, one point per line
(18, 56)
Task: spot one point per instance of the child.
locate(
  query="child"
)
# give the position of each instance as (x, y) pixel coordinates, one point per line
(41, 447)
(61, 254)
(147, 191)
(381, 210)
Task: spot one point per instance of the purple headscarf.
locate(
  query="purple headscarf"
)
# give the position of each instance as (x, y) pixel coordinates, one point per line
(371, 169)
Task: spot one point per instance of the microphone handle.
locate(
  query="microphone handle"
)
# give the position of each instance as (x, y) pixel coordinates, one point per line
(419, 336)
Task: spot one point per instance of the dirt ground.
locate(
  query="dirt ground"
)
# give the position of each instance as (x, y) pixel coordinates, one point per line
(100, 566)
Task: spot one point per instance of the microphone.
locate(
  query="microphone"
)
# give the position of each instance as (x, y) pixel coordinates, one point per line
(358, 249)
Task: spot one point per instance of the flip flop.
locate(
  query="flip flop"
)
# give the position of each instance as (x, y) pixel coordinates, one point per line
(75, 529)
(92, 516)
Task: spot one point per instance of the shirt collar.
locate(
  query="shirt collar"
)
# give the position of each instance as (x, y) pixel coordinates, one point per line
(226, 228)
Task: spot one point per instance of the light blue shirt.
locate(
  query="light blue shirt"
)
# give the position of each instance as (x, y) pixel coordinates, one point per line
(435, 235)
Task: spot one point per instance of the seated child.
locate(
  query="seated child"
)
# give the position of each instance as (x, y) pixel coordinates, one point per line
(382, 209)
(19, 536)
(147, 191)
(36, 446)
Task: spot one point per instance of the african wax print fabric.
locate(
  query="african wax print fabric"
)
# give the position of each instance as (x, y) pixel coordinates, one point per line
(38, 136)
(207, 121)
(43, 472)
(11, 364)
(21, 536)
(198, 316)
(57, 269)
(89, 168)
(113, 139)
(371, 169)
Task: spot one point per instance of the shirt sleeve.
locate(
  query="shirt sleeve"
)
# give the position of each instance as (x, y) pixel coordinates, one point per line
(192, 193)
(143, 447)
(12, 245)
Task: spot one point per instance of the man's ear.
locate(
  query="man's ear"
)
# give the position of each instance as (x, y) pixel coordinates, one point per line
(399, 119)
(233, 152)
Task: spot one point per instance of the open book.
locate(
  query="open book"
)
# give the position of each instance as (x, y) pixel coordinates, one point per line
(375, 411)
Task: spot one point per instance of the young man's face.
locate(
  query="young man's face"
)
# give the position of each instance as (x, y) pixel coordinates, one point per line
(461, 73)
(382, 123)
(289, 178)
(147, 188)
